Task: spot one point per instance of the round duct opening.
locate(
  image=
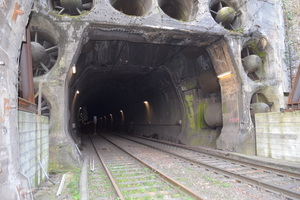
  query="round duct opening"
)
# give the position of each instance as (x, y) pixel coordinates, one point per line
(182, 10)
(209, 82)
(132, 7)
(225, 15)
(253, 56)
(71, 7)
(259, 104)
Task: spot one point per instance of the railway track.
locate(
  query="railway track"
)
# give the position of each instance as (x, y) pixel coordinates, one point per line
(285, 184)
(134, 179)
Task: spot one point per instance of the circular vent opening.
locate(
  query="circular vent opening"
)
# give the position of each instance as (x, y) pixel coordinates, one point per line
(132, 7)
(44, 51)
(253, 56)
(259, 104)
(225, 15)
(182, 10)
(71, 7)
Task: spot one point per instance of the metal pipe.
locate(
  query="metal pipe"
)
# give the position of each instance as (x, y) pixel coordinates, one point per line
(84, 194)
(26, 69)
(61, 185)
(48, 178)
(78, 150)
(29, 183)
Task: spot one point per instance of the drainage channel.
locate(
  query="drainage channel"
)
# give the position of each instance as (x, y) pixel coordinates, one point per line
(134, 179)
(281, 182)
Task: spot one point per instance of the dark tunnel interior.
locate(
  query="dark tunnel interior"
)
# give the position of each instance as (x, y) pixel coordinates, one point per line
(138, 87)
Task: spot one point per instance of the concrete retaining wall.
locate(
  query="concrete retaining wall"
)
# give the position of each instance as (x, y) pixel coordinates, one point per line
(34, 145)
(278, 135)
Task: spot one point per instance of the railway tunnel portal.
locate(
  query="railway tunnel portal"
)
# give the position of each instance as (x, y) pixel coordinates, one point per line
(189, 72)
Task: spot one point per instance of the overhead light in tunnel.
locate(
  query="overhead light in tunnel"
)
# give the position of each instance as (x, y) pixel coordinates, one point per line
(146, 102)
(74, 69)
(224, 74)
(121, 111)
(77, 92)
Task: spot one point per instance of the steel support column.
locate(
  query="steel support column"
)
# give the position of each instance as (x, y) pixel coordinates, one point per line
(26, 69)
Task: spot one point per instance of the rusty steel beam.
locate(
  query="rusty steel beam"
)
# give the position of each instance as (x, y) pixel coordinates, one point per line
(26, 106)
(294, 97)
(26, 70)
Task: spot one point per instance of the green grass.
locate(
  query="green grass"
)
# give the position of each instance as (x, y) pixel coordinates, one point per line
(226, 185)
(160, 196)
(73, 185)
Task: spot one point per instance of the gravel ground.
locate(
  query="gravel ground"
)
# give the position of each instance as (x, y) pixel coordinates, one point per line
(48, 191)
(100, 187)
(209, 185)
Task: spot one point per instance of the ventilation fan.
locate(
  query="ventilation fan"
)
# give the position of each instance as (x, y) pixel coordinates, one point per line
(72, 7)
(252, 63)
(224, 15)
(259, 104)
(44, 52)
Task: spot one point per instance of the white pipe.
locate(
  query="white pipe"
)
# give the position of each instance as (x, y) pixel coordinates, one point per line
(78, 149)
(93, 165)
(61, 185)
(18, 194)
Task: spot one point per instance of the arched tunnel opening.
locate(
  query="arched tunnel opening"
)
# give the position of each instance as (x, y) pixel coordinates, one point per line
(154, 90)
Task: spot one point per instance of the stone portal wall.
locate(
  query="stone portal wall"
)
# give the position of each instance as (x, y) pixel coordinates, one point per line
(292, 21)
(12, 28)
(34, 146)
(278, 136)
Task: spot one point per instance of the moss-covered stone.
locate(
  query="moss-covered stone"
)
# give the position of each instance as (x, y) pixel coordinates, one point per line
(198, 133)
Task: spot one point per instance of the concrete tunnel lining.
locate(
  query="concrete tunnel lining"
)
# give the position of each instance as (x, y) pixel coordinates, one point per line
(116, 77)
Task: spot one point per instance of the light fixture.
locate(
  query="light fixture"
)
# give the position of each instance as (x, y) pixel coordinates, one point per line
(145, 102)
(224, 74)
(121, 111)
(77, 92)
(74, 69)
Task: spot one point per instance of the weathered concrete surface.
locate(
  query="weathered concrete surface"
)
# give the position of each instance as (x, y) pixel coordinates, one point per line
(182, 107)
(231, 98)
(278, 136)
(63, 153)
(189, 101)
(11, 32)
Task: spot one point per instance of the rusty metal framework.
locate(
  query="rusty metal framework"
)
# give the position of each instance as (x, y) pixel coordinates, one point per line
(27, 101)
(294, 98)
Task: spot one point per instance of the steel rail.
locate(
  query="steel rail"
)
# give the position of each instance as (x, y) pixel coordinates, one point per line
(117, 189)
(168, 178)
(272, 188)
(266, 168)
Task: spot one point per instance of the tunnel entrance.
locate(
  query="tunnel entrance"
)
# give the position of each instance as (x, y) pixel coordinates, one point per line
(152, 90)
